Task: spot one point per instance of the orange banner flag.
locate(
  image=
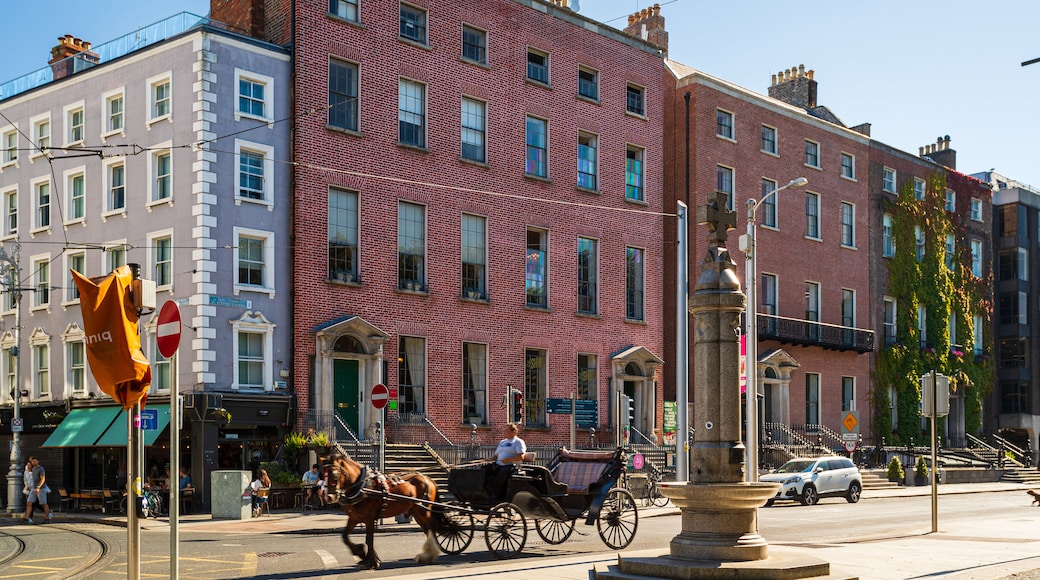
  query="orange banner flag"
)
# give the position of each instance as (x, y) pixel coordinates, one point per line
(113, 343)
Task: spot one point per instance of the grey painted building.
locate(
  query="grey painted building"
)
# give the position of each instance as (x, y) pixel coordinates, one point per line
(166, 155)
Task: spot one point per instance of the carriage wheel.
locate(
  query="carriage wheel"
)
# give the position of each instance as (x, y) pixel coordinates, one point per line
(554, 531)
(506, 531)
(457, 532)
(618, 519)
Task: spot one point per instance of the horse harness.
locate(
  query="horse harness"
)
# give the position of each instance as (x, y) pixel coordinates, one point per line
(380, 486)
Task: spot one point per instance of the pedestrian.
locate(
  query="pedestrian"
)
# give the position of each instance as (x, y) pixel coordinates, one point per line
(26, 487)
(183, 479)
(509, 452)
(38, 491)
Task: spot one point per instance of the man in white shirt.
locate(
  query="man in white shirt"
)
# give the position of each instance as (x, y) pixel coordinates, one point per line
(509, 452)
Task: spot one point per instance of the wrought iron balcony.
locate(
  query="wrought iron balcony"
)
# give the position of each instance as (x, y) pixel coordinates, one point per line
(809, 333)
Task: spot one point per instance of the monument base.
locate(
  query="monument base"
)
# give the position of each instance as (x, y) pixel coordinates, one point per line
(782, 564)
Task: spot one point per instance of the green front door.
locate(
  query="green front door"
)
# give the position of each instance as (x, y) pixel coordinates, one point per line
(345, 380)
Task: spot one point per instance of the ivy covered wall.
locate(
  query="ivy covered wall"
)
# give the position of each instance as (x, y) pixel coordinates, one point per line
(946, 287)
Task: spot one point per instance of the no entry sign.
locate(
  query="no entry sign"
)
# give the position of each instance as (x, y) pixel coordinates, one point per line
(168, 329)
(380, 396)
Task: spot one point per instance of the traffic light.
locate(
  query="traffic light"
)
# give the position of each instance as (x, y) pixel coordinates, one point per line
(518, 407)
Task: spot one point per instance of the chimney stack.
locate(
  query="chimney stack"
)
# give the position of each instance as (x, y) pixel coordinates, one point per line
(940, 152)
(241, 16)
(68, 46)
(794, 86)
(648, 25)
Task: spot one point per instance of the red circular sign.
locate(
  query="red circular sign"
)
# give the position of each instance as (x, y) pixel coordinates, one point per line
(380, 396)
(168, 329)
(637, 461)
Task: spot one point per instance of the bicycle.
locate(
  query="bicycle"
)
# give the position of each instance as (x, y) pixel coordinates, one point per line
(149, 504)
(650, 492)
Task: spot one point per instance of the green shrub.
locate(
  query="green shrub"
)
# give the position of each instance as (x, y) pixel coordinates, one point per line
(921, 469)
(294, 442)
(279, 472)
(895, 470)
(319, 439)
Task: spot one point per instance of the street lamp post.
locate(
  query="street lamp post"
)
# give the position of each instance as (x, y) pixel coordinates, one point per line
(747, 245)
(11, 281)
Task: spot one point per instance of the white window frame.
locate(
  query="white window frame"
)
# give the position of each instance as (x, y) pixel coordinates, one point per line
(158, 361)
(730, 192)
(920, 188)
(36, 122)
(153, 83)
(71, 290)
(951, 249)
(819, 217)
(640, 158)
(732, 137)
(10, 153)
(851, 226)
(950, 204)
(40, 263)
(6, 195)
(920, 247)
(464, 130)
(480, 32)
(805, 155)
(424, 116)
(67, 178)
(8, 367)
(106, 186)
(153, 262)
(977, 333)
(888, 180)
(34, 187)
(852, 166)
(109, 248)
(254, 323)
(67, 112)
(595, 81)
(591, 141)
(107, 129)
(776, 143)
(345, 4)
(41, 390)
(268, 167)
(922, 325)
(268, 100)
(74, 335)
(976, 209)
(887, 324)
(269, 265)
(158, 150)
(425, 40)
(888, 238)
(548, 66)
(641, 89)
(976, 258)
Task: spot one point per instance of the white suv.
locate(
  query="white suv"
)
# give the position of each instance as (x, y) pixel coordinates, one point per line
(807, 479)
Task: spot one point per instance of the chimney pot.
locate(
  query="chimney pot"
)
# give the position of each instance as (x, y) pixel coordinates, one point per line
(809, 74)
(774, 80)
(920, 151)
(801, 70)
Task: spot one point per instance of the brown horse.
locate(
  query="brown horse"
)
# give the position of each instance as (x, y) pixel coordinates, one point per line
(367, 496)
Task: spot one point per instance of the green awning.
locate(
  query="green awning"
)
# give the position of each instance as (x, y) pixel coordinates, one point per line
(82, 427)
(116, 436)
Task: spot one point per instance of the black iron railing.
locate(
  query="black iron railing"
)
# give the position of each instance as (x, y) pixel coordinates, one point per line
(810, 333)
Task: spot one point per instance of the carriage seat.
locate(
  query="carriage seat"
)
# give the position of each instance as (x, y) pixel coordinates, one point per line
(579, 470)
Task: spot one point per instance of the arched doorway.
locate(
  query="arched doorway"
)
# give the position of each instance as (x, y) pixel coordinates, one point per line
(348, 362)
(634, 372)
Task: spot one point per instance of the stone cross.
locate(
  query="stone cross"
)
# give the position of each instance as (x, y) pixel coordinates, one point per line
(718, 219)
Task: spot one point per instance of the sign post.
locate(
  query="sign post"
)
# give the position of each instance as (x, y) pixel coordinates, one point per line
(167, 341)
(380, 396)
(935, 403)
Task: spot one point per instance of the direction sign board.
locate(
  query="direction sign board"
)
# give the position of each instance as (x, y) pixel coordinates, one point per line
(168, 329)
(558, 406)
(380, 396)
(150, 418)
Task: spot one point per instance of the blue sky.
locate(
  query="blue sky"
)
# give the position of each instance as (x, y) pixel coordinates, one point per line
(914, 70)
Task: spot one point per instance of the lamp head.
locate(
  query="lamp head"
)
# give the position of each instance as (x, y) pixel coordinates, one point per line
(798, 182)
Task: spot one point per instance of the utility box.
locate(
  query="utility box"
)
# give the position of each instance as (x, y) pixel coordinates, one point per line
(230, 495)
(637, 484)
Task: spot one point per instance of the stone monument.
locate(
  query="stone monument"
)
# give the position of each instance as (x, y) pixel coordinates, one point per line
(719, 537)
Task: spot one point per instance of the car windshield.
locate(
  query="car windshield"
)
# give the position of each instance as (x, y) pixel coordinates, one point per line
(796, 466)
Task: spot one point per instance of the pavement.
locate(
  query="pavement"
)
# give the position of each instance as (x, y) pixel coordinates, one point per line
(1005, 547)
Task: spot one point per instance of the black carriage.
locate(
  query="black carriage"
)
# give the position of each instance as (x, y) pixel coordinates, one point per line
(576, 485)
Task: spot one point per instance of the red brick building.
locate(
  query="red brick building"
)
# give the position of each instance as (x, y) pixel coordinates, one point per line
(478, 205)
(813, 251)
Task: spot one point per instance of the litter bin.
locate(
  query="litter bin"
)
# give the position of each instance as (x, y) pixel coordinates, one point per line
(230, 497)
(637, 485)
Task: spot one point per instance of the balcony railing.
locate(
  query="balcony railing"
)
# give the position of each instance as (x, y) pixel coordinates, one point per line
(106, 52)
(809, 333)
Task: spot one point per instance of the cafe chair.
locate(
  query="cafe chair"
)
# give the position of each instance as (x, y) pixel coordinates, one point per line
(109, 500)
(187, 497)
(65, 499)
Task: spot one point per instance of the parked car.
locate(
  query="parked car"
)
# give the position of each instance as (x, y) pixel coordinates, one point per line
(807, 479)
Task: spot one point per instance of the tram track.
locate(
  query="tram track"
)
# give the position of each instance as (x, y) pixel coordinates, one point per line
(81, 569)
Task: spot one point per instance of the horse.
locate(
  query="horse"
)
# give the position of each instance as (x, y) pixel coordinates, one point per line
(363, 496)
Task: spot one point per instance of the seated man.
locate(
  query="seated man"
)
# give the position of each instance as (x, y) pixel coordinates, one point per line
(310, 482)
(509, 452)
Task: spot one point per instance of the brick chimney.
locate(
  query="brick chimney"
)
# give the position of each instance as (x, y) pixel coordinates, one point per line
(940, 153)
(62, 65)
(795, 87)
(242, 16)
(648, 24)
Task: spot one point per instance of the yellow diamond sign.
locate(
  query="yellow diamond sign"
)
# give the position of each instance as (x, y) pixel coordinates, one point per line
(850, 422)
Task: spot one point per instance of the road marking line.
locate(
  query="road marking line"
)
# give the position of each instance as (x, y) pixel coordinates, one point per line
(249, 565)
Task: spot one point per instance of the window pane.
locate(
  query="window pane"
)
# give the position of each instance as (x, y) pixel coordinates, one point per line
(634, 174)
(343, 79)
(587, 276)
(537, 152)
(474, 44)
(251, 261)
(411, 244)
(343, 235)
(473, 129)
(411, 111)
(635, 284)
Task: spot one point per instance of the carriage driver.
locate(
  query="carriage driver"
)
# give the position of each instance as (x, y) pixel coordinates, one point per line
(509, 452)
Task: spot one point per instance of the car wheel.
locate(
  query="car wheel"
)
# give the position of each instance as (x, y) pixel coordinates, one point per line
(855, 490)
(769, 502)
(809, 495)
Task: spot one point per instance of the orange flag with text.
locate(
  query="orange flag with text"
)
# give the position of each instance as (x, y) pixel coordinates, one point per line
(113, 343)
